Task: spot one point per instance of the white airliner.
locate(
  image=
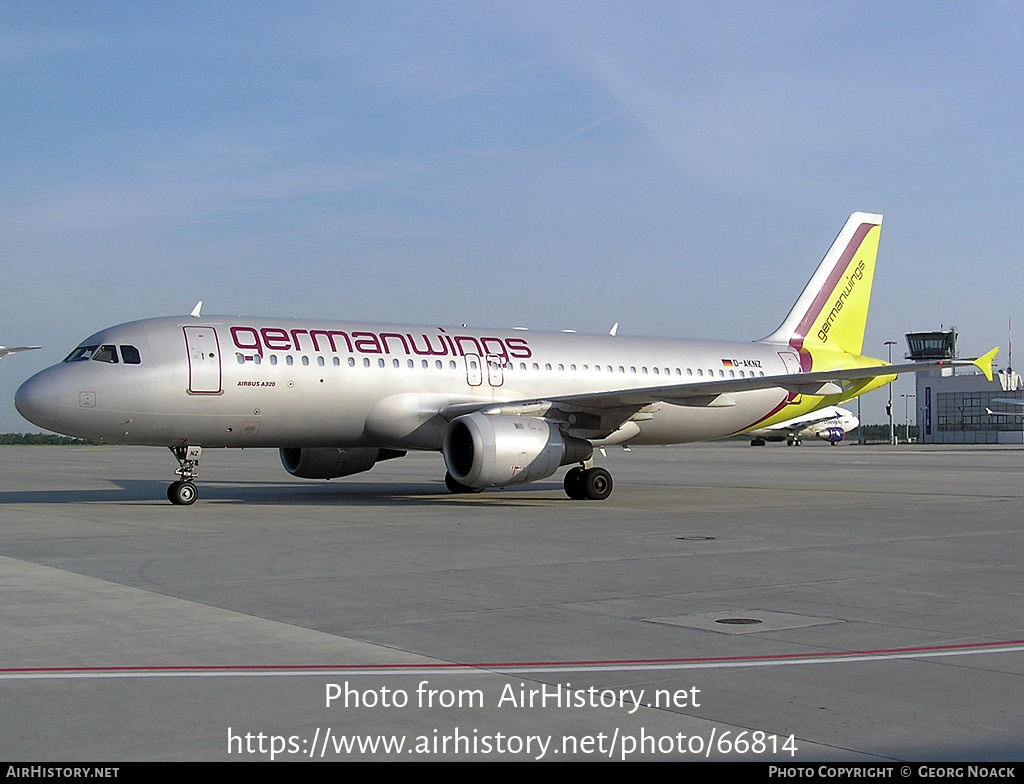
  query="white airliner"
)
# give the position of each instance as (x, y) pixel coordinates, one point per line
(504, 407)
(831, 424)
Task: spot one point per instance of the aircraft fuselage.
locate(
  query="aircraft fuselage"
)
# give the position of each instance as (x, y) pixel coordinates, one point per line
(246, 382)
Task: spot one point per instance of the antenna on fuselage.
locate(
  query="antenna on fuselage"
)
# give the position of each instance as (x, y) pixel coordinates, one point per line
(197, 311)
(614, 329)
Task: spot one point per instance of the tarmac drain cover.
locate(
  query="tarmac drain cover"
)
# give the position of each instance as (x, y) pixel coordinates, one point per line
(743, 620)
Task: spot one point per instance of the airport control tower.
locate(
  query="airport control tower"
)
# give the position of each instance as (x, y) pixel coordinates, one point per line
(962, 407)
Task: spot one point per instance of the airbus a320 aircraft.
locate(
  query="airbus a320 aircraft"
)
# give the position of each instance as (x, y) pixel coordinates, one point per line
(504, 407)
(829, 424)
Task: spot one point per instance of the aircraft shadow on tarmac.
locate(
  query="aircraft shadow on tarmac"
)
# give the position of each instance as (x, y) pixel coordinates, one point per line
(147, 491)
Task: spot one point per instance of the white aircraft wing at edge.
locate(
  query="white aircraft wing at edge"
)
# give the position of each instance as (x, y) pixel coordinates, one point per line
(5, 351)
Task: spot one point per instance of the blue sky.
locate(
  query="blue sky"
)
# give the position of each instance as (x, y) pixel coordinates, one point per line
(677, 167)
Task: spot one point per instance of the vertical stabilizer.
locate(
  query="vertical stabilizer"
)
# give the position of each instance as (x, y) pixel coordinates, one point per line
(832, 311)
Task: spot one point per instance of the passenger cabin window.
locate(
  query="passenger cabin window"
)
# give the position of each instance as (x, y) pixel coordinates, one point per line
(106, 354)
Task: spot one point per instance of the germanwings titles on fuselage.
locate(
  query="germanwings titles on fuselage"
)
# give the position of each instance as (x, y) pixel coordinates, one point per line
(504, 407)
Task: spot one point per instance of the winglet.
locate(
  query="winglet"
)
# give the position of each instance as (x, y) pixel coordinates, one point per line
(197, 311)
(984, 362)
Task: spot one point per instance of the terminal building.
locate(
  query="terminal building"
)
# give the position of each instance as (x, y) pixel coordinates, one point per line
(961, 406)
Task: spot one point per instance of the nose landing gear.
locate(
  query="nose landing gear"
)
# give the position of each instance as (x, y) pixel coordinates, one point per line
(183, 492)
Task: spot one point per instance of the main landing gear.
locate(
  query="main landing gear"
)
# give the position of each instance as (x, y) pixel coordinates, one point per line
(582, 484)
(183, 492)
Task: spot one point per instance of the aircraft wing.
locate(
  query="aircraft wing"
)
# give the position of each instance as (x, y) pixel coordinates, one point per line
(1010, 401)
(616, 406)
(4, 350)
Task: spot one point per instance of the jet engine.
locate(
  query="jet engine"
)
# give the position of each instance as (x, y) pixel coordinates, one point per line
(832, 434)
(330, 463)
(494, 451)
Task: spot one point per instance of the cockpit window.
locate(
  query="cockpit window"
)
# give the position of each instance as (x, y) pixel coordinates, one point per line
(106, 354)
(81, 353)
(130, 355)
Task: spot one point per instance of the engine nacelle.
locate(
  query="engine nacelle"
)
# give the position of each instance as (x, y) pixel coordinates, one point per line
(832, 434)
(495, 451)
(330, 463)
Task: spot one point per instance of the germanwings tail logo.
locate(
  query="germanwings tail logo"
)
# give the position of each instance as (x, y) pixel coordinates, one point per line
(832, 311)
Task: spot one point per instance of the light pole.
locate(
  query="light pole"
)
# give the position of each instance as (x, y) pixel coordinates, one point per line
(906, 416)
(860, 419)
(888, 408)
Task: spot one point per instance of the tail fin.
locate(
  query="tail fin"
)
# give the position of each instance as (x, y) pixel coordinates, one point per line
(832, 311)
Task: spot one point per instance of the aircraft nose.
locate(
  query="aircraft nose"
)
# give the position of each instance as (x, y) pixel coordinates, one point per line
(36, 400)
